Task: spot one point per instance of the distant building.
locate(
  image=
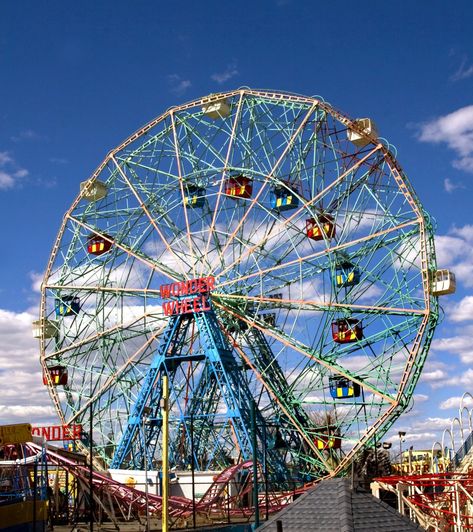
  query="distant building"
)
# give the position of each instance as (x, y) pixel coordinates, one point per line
(417, 462)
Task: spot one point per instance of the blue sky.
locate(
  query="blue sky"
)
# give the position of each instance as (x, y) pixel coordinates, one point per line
(77, 78)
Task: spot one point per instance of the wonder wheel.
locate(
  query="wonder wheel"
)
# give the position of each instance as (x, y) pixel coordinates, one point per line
(268, 255)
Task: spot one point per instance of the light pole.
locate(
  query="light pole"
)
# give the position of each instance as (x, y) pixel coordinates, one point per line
(402, 435)
(165, 454)
(146, 412)
(386, 446)
(255, 462)
(91, 469)
(193, 470)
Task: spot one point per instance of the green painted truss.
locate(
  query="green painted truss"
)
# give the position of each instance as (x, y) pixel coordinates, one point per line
(320, 238)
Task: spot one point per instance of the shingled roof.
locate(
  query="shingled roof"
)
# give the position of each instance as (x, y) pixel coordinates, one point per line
(333, 506)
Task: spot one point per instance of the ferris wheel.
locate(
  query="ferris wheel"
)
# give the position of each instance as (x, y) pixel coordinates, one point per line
(265, 253)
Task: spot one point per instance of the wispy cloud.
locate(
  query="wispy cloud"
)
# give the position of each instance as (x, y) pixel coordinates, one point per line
(464, 71)
(10, 172)
(5, 158)
(27, 134)
(58, 160)
(456, 131)
(230, 72)
(420, 429)
(450, 186)
(177, 84)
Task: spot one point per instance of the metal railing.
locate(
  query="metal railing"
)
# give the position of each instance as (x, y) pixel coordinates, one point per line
(463, 451)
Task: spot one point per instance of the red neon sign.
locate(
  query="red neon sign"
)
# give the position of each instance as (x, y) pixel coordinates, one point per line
(58, 432)
(197, 289)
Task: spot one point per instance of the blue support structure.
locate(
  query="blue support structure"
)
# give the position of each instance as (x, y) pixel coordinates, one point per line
(133, 429)
(195, 355)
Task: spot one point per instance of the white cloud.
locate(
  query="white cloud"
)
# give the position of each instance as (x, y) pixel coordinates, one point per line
(24, 398)
(420, 437)
(10, 172)
(465, 232)
(177, 84)
(450, 186)
(40, 414)
(452, 344)
(465, 163)
(431, 423)
(22, 172)
(421, 431)
(455, 251)
(466, 357)
(6, 181)
(460, 345)
(454, 402)
(420, 397)
(36, 280)
(456, 130)
(5, 158)
(435, 375)
(461, 311)
(448, 249)
(462, 380)
(230, 72)
(465, 379)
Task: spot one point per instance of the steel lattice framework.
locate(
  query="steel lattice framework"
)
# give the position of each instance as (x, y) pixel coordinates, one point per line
(166, 214)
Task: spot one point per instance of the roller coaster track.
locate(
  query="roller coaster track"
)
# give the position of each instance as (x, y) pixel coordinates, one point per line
(122, 502)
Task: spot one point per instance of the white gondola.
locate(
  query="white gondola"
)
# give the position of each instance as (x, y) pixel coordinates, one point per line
(369, 128)
(216, 109)
(93, 190)
(49, 328)
(443, 283)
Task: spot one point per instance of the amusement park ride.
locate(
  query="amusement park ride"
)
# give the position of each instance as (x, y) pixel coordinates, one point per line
(264, 252)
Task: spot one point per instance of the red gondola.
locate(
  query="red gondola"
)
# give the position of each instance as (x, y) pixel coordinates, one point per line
(347, 330)
(98, 244)
(328, 441)
(323, 227)
(239, 186)
(58, 375)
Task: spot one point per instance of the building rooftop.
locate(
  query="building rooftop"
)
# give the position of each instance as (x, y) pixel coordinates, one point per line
(333, 506)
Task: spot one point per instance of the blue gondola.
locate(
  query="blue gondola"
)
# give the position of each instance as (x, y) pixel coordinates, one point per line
(67, 306)
(343, 388)
(283, 199)
(347, 274)
(194, 196)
